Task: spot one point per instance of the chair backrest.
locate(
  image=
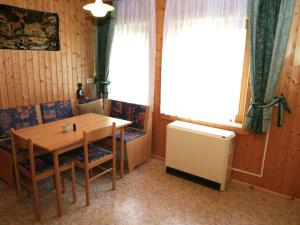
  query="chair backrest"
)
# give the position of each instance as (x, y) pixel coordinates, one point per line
(137, 114)
(101, 133)
(17, 118)
(56, 110)
(96, 135)
(24, 144)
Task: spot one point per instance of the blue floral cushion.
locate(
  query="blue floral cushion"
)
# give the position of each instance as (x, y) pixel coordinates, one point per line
(17, 118)
(129, 111)
(44, 163)
(56, 110)
(94, 153)
(6, 145)
(130, 135)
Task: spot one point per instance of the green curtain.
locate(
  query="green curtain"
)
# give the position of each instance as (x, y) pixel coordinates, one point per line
(270, 22)
(103, 38)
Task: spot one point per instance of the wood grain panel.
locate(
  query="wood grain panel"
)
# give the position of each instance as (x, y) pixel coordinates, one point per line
(33, 77)
(282, 165)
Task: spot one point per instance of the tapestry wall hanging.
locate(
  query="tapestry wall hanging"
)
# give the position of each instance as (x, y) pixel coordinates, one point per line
(24, 29)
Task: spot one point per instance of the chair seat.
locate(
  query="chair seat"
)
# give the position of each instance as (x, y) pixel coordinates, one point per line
(6, 145)
(95, 153)
(130, 135)
(44, 163)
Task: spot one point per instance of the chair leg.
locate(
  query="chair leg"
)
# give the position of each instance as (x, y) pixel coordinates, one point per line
(91, 172)
(114, 174)
(19, 190)
(63, 189)
(73, 182)
(87, 187)
(36, 201)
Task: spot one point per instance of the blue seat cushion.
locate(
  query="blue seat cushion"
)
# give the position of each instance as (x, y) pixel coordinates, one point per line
(17, 118)
(56, 110)
(44, 163)
(129, 111)
(94, 152)
(130, 134)
(6, 145)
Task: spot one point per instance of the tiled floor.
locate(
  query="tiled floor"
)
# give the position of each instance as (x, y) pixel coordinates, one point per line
(149, 196)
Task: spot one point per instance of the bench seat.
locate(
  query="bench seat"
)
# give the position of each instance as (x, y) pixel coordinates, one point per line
(16, 118)
(6, 145)
(130, 135)
(137, 136)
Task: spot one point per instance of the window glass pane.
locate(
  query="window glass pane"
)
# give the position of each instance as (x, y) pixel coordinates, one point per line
(203, 53)
(132, 54)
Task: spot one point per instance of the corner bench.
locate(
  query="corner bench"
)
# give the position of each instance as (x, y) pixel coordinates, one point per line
(21, 117)
(16, 118)
(137, 136)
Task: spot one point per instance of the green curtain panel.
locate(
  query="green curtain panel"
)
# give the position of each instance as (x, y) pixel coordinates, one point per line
(104, 31)
(270, 22)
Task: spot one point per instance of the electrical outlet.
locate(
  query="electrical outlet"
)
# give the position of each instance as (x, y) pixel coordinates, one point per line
(90, 80)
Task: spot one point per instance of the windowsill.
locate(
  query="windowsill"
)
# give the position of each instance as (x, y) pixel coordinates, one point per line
(232, 126)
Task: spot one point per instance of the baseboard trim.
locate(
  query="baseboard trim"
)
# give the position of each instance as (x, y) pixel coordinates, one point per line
(158, 157)
(284, 196)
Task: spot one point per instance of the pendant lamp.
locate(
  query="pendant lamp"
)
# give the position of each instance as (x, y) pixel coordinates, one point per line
(98, 8)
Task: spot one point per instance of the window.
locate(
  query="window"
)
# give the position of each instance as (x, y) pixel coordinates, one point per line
(132, 59)
(203, 59)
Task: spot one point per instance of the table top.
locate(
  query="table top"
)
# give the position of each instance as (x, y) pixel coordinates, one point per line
(50, 136)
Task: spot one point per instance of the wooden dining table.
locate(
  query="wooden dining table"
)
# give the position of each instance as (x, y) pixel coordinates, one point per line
(51, 138)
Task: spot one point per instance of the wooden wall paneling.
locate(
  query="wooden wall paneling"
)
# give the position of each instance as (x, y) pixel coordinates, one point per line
(3, 87)
(282, 164)
(35, 61)
(42, 66)
(69, 49)
(48, 81)
(36, 77)
(78, 44)
(73, 44)
(58, 57)
(9, 78)
(32, 77)
(24, 79)
(63, 47)
(16, 77)
(83, 40)
(89, 36)
(29, 64)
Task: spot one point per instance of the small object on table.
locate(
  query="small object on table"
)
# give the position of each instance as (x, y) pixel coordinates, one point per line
(74, 127)
(66, 127)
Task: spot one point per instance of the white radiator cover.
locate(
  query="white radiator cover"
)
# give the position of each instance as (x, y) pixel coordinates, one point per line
(201, 151)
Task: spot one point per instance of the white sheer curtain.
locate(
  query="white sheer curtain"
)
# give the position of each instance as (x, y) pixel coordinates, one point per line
(132, 60)
(203, 54)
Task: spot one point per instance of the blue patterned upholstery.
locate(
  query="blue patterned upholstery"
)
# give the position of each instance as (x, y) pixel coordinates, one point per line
(17, 118)
(94, 153)
(130, 135)
(44, 163)
(56, 110)
(86, 100)
(6, 145)
(128, 111)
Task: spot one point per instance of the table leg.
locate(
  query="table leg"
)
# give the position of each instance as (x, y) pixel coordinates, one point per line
(122, 152)
(57, 184)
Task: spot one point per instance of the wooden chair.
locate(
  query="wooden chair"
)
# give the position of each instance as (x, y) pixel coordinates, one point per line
(36, 168)
(92, 156)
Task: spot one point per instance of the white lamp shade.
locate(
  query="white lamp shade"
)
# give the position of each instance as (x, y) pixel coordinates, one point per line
(98, 8)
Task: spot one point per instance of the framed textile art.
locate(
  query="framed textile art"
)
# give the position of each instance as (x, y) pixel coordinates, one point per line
(25, 29)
